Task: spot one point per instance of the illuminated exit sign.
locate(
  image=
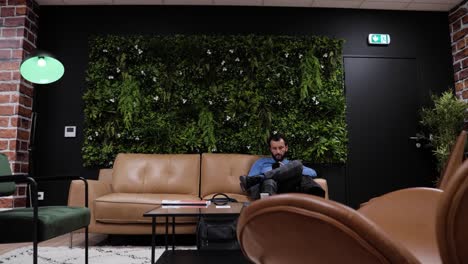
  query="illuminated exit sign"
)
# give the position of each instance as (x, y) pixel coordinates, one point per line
(378, 39)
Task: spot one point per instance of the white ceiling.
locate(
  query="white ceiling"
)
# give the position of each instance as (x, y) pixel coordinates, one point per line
(420, 5)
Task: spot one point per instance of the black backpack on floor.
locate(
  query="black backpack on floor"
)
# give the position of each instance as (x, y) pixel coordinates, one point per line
(218, 232)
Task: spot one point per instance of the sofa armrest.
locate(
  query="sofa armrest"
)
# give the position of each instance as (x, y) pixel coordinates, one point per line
(408, 216)
(323, 183)
(96, 188)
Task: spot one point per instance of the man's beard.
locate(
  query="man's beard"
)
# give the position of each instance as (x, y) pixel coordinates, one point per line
(278, 157)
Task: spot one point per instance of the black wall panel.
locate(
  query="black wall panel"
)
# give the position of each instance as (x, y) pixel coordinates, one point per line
(65, 31)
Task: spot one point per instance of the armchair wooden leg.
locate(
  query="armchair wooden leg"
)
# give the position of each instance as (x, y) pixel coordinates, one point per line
(71, 240)
(86, 245)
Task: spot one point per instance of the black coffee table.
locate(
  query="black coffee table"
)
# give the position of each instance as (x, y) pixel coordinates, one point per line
(184, 211)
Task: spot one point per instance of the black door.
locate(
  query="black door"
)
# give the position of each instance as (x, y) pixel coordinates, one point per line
(383, 104)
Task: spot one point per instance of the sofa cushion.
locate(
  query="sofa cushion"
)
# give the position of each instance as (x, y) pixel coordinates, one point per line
(220, 172)
(156, 173)
(128, 208)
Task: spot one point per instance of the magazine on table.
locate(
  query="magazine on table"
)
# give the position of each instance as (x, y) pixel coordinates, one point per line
(186, 202)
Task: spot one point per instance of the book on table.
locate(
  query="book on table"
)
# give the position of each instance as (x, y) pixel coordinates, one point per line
(186, 202)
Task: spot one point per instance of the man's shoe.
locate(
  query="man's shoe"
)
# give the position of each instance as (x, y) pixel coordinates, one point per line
(248, 181)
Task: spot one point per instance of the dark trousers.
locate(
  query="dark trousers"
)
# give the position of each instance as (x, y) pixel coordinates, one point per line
(287, 179)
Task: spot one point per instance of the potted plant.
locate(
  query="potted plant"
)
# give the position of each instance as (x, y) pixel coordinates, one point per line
(443, 122)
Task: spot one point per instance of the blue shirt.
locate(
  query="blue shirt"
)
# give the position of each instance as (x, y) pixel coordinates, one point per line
(263, 165)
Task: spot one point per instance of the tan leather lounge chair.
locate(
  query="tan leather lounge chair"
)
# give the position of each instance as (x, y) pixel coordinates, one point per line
(430, 223)
(299, 228)
(417, 225)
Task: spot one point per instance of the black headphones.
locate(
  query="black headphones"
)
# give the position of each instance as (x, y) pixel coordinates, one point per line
(222, 200)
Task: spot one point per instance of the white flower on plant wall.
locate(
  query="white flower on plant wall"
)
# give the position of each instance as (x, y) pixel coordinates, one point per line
(136, 46)
(104, 50)
(208, 52)
(210, 102)
(154, 79)
(140, 51)
(96, 133)
(223, 62)
(117, 70)
(291, 82)
(137, 138)
(118, 135)
(321, 66)
(112, 100)
(156, 98)
(300, 56)
(278, 74)
(143, 72)
(90, 137)
(110, 163)
(241, 71)
(309, 139)
(231, 51)
(213, 149)
(286, 55)
(325, 55)
(224, 69)
(228, 118)
(275, 132)
(245, 124)
(315, 100)
(110, 77)
(184, 100)
(248, 147)
(279, 102)
(237, 59)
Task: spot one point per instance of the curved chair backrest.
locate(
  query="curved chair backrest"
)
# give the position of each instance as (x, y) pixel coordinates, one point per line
(452, 219)
(6, 188)
(454, 161)
(300, 228)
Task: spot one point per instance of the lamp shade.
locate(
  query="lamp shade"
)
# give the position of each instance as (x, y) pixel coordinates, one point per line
(41, 69)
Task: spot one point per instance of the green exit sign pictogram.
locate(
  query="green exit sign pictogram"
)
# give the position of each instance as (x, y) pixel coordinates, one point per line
(378, 39)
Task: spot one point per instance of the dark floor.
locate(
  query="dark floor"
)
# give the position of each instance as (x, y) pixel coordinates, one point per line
(145, 240)
(178, 256)
(202, 257)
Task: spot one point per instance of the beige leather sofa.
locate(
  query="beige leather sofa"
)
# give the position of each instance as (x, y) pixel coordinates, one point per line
(139, 182)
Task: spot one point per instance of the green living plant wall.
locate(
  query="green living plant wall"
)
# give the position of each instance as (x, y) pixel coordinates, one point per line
(194, 94)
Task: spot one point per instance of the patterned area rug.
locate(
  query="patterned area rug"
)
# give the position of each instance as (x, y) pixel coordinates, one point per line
(101, 255)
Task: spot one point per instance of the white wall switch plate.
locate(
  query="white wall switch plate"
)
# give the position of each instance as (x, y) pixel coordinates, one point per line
(40, 196)
(70, 131)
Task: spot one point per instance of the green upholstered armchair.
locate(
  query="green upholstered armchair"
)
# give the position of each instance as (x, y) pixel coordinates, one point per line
(36, 223)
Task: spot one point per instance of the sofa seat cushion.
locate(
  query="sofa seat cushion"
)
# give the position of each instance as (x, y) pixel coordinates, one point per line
(239, 197)
(128, 208)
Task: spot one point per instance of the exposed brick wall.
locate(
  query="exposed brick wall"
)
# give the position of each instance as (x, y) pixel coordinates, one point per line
(458, 20)
(18, 29)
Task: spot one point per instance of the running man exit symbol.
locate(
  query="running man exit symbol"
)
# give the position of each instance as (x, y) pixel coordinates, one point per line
(378, 39)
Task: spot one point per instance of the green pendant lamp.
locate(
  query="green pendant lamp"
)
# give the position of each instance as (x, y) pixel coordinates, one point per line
(41, 68)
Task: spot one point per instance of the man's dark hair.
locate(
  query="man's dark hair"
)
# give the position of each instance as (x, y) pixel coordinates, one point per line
(277, 137)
